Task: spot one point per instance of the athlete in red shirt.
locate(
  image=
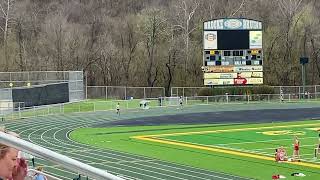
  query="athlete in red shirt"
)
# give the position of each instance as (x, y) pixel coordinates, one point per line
(281, 154)
(296, 147)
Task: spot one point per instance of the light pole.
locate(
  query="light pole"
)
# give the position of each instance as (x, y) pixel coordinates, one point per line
(303, 62)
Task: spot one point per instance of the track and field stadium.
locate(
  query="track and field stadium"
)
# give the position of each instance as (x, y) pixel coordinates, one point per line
(217, 141)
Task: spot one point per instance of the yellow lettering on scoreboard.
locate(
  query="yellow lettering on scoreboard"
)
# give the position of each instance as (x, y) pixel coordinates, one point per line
(254, 52)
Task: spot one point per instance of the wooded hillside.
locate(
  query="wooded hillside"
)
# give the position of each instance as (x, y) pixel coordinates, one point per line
(151, 42)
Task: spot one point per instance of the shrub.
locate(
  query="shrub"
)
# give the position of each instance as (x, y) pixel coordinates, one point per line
(205, 92)
(234, 90)
(264, 89)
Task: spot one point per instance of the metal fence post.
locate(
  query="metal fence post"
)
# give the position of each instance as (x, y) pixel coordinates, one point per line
(227, 98)
(127, 101)
(106, 92)
(19, 111)
(164, 92)
(289, 97)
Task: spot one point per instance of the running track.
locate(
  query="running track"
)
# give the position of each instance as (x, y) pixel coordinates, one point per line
(52, 132)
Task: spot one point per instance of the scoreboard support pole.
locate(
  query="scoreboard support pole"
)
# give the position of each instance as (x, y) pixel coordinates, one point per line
(303, 74)
(303, 62)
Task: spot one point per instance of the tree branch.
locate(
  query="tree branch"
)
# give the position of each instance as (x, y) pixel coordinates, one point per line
(237, 10)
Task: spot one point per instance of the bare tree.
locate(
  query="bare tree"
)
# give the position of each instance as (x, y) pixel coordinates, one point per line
(242, 4)
(129, 42)
(122, 43)
(6, 7)
(184, 16)
(290, 11)
(171, 65)
(154, 28)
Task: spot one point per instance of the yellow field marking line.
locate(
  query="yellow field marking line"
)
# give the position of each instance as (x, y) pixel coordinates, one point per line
(153, 138)
(229, 130)
(226, 151)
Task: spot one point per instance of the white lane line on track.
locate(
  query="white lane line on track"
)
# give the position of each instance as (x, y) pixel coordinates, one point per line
(95, 159)
(180, 168)
(75, 158)
(47, 127)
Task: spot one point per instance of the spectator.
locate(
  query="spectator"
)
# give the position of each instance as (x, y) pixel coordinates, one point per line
(39, 175)
(77, 178)
(33, 162)
(160, 100)
(10, 166)
(8, 160)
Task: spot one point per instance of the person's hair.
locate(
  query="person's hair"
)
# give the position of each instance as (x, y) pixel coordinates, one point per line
(3, 150)
(39, 168)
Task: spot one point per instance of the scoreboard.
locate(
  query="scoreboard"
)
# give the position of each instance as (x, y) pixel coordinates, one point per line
(232, 52)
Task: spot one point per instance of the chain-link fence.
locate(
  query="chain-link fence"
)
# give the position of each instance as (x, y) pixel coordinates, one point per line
(253, 98)
(34, 78)
(299, 91)
(18, 88)
(123, 93)
(76, 86)
(18, 110)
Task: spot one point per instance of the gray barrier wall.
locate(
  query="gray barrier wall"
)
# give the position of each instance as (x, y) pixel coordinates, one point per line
(42, 94)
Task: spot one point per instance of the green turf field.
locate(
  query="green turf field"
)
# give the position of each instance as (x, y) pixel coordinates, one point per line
(243, 150)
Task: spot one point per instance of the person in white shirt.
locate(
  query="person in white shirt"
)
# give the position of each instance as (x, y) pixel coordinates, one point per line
(118, 109)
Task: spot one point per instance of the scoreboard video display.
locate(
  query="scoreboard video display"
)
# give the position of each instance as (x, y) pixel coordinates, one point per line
(233, 39)
(232, 52)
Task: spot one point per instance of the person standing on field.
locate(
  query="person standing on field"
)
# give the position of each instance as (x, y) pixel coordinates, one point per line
(118, 109)
(181, 102)
(296, 149)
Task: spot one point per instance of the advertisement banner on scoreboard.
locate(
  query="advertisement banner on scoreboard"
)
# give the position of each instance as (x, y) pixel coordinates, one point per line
(254, 80)
(250, 74)
(245, 81)
(210, 40)
(210, 82)
(220, 75)
(220, 69)
(240, 81)
(247, 68)
(255, 39)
